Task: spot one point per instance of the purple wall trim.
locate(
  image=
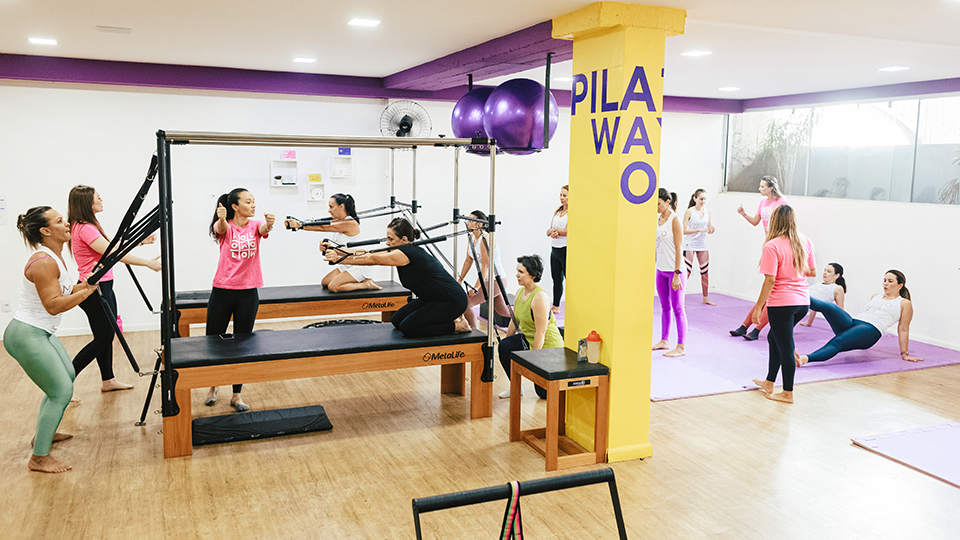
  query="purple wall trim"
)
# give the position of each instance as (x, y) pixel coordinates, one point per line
(512, 53)
(919, 88)
(105, 72)
(702, 105)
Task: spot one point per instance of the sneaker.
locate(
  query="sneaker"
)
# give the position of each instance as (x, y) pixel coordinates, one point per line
(506, 394)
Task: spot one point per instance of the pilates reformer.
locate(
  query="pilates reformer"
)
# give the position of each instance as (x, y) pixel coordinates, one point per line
(204, 361)
(299, 301)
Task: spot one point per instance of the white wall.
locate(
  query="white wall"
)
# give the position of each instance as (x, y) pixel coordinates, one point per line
(54, 138)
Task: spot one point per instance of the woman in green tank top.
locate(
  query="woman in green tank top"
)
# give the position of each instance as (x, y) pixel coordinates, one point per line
(538, 327)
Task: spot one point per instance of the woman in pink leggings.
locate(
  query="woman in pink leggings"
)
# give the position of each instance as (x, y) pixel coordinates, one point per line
(671, 280)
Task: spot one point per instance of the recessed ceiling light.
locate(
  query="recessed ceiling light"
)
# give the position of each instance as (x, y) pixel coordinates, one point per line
(894, 68)
(304, 60)
(364, 22)
(728, 89)
(42, 41)
(696, 53)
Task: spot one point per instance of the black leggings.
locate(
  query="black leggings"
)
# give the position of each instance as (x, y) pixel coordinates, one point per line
(421, 317)
(101, 347)
(780, 340)
(558, 269)
(241, 304)
(507, 346)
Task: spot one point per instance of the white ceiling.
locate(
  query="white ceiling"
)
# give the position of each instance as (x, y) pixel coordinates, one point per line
(764, 47)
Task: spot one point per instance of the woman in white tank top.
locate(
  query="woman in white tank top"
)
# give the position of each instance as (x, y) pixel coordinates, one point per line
(696, 226)
(48, 290)
(864, 330)
(831, 290)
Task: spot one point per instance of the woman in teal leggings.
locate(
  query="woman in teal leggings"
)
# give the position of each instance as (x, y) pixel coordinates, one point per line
(47, 292)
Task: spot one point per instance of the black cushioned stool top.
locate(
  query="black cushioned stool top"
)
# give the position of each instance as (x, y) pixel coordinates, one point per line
(557, 364)
(303, 343)
(295, 293)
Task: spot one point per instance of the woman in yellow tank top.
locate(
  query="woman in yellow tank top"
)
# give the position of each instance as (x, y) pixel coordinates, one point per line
(538, 327)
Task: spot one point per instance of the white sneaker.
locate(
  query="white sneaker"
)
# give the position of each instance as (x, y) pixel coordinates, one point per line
(506, 394)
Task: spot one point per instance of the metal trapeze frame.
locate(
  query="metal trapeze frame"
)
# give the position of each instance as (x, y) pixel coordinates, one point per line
(167, 139)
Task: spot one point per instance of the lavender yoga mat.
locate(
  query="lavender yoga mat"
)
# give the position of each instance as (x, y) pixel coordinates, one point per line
(717, 363)
(931, 450)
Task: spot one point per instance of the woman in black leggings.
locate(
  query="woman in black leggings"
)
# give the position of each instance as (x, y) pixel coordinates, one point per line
(558, 252)
(440, 301)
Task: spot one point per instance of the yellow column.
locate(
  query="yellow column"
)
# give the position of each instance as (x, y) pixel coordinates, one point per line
(611, 233)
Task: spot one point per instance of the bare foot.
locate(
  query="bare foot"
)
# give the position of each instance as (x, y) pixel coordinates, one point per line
(369, 284)
(47, 464)
(555, 309)
(679, 351)
(783, 397)
(765, 385)
(662, 344)
(799, 359)
(461, 325)
(806, 324)
(708, 302)
(113, 385)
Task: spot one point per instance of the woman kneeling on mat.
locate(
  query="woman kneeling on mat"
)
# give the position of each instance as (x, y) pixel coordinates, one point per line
(345, 224)
(440, 301)
(538, 326)
(786, 262)
(47, 292)
(832, 290)
(238, 274)
(864, 330)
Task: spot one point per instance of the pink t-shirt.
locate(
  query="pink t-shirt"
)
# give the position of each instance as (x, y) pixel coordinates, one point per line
(239, 265)
(767, 207)
(81, 236)
(789, 287)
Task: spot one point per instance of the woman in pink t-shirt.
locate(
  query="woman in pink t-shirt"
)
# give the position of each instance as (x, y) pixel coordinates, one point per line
(772, 199)
(786, 263)
(87, 244)
(238, 274)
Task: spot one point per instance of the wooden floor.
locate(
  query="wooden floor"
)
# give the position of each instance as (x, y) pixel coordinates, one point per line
(729, 466)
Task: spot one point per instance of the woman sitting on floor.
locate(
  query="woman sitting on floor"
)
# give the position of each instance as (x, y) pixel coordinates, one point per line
(864, 330)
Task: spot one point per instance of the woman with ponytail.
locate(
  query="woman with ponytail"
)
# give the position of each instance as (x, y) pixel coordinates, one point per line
(87, 243)
(345, 224)
(670, 279)
(696, 226)
(832, 290)
(47, 291)
(239, 275)
(786, 263)
(864, 330)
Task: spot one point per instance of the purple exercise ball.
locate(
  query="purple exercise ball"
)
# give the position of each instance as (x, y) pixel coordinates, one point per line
(467, 119)
(513, 115)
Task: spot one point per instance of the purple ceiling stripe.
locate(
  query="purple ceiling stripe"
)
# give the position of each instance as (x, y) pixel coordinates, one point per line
(701, 105)
(919, 88)
(519, 51)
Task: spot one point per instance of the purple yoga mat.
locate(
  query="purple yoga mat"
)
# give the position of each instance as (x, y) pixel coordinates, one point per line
(717, 363)
(931, 450)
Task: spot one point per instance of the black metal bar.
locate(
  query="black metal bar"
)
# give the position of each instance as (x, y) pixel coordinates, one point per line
(124, 248)
(469, 82)
(168, 309)
(134, 207)
(529, 487)
(139, 288)
(116, 328)
(153, 384)
(546, 104)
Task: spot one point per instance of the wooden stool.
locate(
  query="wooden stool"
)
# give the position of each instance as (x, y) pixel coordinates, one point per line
(557, 370)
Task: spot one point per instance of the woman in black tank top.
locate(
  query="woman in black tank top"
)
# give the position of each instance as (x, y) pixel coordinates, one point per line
(440, 301)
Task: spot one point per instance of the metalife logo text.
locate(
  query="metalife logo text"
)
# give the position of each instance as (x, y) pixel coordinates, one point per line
(378, 305)
(430, 357)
